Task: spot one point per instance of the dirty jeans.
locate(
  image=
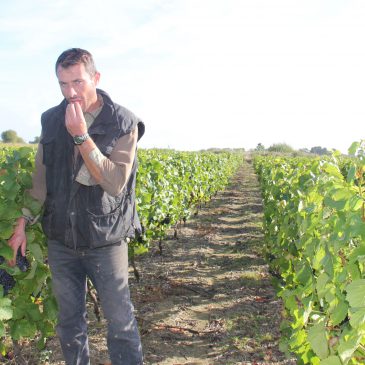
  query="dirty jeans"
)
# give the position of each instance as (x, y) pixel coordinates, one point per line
(107, 268)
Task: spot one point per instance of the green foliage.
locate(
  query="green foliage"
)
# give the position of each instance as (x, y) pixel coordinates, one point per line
(170, 186)
(280, 147)
(11, 136)
(260, 148)
(22, 312)
(35, 140)
(315, 234)
(318, 150)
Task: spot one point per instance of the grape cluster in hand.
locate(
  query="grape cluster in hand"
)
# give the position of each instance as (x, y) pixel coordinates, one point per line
(6, 280)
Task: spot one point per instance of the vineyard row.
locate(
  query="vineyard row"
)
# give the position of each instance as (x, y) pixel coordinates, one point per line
(315, 244)
(170, 187)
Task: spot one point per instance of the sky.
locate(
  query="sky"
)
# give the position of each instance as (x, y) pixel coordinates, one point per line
(200, 73)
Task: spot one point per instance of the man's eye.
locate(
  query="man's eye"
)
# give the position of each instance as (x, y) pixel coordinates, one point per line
(78, 82)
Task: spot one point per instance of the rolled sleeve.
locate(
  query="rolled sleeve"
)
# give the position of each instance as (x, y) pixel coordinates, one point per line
(117, 168)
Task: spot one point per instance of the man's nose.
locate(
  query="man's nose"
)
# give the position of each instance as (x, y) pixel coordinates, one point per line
(70, 92)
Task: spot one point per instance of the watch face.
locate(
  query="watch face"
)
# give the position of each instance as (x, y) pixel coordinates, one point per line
(80, 139)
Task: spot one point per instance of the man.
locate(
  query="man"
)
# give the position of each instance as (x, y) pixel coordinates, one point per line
(85, 177)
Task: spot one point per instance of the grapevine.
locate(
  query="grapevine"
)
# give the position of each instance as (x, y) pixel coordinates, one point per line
(170, 186)
(315, 238)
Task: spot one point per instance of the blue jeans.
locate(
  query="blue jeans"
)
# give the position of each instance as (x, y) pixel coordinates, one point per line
(107, 268)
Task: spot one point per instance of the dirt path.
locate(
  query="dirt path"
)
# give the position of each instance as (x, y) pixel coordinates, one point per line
(208, 298)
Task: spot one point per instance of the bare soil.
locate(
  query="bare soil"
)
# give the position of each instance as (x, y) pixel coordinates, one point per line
(208, 298)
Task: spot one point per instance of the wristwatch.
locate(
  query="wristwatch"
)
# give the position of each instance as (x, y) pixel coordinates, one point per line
(81, 139)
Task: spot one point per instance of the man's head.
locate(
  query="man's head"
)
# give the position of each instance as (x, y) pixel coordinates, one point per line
(75, 56)
(78, 78)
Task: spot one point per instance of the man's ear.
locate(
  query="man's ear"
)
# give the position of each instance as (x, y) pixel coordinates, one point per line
(96, 78)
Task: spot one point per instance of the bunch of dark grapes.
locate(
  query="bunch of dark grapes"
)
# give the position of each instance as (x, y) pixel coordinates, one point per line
(6, 280)
(22, 262)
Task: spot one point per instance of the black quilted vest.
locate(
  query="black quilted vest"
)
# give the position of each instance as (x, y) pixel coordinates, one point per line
(82, 216)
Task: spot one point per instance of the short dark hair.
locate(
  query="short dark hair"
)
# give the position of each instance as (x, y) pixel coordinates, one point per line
(75, 56)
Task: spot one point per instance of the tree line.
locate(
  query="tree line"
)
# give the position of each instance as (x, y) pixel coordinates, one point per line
(10, 136)
(285, 148)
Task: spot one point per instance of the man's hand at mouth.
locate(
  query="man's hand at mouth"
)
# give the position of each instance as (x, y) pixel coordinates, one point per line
(75, 121)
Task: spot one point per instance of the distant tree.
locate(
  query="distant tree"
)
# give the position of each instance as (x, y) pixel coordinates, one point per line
(11, 136)
(35, 141)
(281, 147)
(304, 150)
(320, 150)
(260, 147)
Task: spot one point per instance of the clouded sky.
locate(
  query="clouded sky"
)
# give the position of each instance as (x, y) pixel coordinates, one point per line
(199, 73)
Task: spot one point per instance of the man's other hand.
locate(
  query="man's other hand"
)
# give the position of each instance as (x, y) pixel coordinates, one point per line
(18, 239)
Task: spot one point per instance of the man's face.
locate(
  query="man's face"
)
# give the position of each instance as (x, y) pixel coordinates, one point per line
(78, 86)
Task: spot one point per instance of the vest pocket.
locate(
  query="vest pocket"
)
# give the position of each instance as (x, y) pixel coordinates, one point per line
(109, 225)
